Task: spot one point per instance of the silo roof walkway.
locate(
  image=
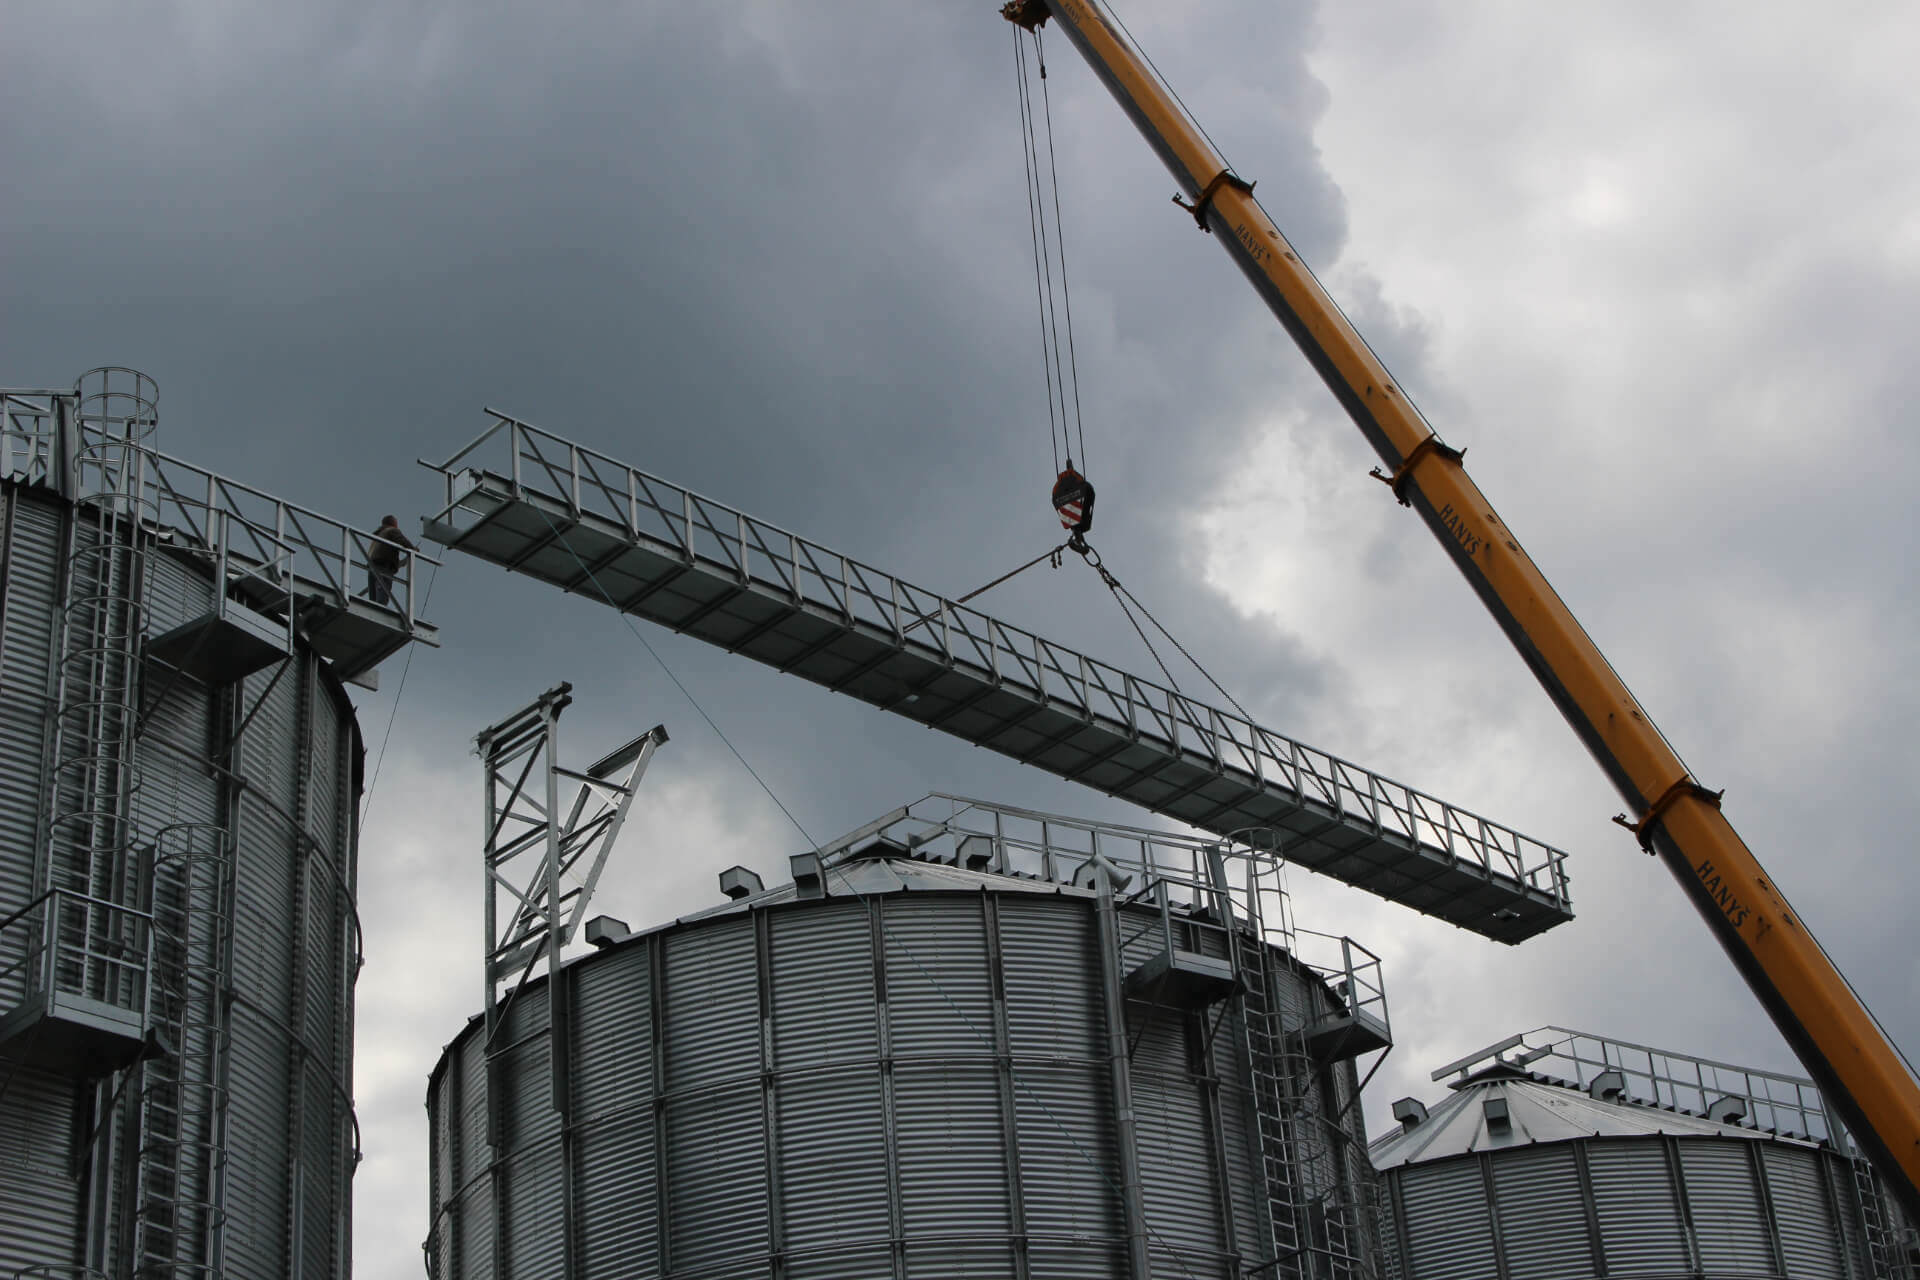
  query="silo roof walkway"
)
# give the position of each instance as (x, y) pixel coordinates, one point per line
(542, 506)
(284, 562)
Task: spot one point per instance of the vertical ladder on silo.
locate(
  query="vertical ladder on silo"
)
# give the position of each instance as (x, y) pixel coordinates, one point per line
(1313, 1230)
(178, 1223)
(1270, 1075)
(99, 931)
(1875, 1234)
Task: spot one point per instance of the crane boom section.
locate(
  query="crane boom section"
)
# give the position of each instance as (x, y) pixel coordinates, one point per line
(1837, 1039)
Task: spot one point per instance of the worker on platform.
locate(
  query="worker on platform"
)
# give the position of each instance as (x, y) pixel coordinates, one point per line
(1073, 501)
(385, 550)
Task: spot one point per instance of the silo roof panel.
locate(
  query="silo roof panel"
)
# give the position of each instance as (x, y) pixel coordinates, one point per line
(1537, 1111)
(864, 876)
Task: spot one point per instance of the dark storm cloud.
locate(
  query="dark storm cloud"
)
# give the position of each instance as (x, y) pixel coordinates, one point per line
(782, 258)
(779, 255)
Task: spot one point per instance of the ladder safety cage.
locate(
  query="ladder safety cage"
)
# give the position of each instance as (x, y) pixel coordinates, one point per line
(540, 505)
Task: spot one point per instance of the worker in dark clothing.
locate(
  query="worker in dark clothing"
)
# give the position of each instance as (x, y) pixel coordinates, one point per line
(384, 553)
(1073, 500)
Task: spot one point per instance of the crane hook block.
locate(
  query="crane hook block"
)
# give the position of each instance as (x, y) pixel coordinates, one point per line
(1073, 501)
(1030, 14)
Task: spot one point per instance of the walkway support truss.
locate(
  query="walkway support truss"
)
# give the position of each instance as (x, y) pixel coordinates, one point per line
(542, 506)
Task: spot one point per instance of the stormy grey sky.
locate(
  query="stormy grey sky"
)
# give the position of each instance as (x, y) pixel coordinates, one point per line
(1658, 266)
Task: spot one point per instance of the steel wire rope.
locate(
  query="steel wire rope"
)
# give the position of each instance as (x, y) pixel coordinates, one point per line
(1114, 586)
(1060, 243)
(1120, 589)
(1122, 596)
(1052, 553)
(866, 900)
(1167, 85)
(366, 805)
(1043, 255)
(593, 578)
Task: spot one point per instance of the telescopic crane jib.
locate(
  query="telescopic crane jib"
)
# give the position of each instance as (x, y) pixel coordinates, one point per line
(1673, 815)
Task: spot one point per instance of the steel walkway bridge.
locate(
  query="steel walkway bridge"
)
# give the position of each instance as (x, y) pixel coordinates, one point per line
(547, 508)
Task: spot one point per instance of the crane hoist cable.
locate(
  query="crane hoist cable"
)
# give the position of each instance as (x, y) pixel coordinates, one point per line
(1125, 597)
(1127, 601)
(1072, 493)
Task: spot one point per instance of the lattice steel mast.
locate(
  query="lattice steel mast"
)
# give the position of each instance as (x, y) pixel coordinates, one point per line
(544, 856)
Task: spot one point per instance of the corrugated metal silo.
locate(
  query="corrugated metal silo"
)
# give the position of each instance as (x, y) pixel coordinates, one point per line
(1562, 1155)
(179, 765)
(903, 1064)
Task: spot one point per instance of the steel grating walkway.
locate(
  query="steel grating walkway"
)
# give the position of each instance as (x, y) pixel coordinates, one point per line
(542, 506)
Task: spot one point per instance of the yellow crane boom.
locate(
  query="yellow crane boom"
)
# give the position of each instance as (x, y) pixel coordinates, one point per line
(1862, 1074)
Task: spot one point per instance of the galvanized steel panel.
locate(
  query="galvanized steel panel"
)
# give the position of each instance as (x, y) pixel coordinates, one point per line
(868, 1262)
(1543, 1213)
(1077, 1260)
(476, 1226)
(822, 998)
(443, 1121)
(179, 589)
(525, 1061)
(616, 1173)
(612, 1025)
(716, 1170)
(32, 621)
(1851, 1237)
(535, 1218)
(1051, 962)
(1238, 1124)
(258, 1184)
(1640, 1217)
(832, 1158)
(712, 1031)
(1068, 1165)
(473, 1185)
(955, 1260)
(1809, 1237)
(953, 1159)
(1161, 1044)
(1449, 1227)
(1391, 1267)
(42, 1224)
(939, 989)
(1175, 1143)
(1727, 1206)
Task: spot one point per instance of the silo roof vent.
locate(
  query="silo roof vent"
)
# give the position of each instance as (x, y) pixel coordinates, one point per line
(605, 931)
(807, 881)
(1607, 1085)
(1499, 1119)
(738, 882)
(1411, 1113)
(1731, 1109)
